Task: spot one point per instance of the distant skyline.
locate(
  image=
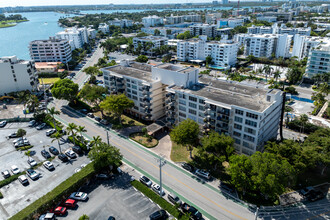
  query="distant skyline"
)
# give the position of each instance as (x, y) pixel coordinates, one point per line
(14, 3)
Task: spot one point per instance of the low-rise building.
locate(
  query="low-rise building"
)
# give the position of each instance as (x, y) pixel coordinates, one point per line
(121, 23)
(169, 32)
(17, 75)
(212, 18)
(104, 28)
(260, 30)
(52, 50)
(231, 22)
(192, 18)
(281, 16)
(152, 21)
(270, 19)
(48, 67)
(91, 33)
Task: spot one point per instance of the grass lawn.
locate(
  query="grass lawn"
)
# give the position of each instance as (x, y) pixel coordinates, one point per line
(125, 120)
(141, 139)
(48, 80)
(10, 23)
(180, 153)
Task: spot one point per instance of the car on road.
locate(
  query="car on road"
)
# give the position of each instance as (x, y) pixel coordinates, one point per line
(32, 123)
(70, 203)
(3, 124)
(91, 115)
(45, 154)
(48, 216)
(32, 174)
(53, 150)
(158, 215)
(146, 181)
(23, 180)
(77, 150)
(194, 213)
(49, 165)
(80, 196)
(187, 167)
(41, 126)
(70, 153)
(63, 157)
(50, 132)
(156, 188)
(203, 174)
(174, 199)
(59, 210)
(97, 118)
(15, 170)
(31, 162)
(13, 135)
(5, 174)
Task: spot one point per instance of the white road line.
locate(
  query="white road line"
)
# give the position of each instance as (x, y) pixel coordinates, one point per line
(130, 196)
(142, 210)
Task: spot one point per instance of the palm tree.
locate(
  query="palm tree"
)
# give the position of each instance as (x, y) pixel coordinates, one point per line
(96, 140)
(33, 101)
(52, 112)
(303, 119)
(268, 70)
(277, 74)
(72, 127)
(324, 88)
(57, 137)
(81, 129)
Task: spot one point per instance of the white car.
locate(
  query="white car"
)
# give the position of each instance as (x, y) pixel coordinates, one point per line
(23, 179)
(49, 165)
(3, 124)
(50, 132)
(80, 196)
(40, 127)
(70, 153)
(15, 170)
(203, 173)
(22, 143)
(155, 187)
(32, 162)
(19, 139)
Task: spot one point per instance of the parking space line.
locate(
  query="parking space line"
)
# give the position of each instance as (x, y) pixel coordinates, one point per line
(145, 209)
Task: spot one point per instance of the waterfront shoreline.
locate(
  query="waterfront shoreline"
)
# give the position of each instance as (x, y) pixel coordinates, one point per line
(7, 24)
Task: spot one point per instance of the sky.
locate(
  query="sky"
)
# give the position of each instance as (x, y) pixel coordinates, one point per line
(13, 3)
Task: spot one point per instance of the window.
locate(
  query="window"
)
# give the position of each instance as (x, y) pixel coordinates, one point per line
(182, 102)
(181, 108)
(251, 123)
(182, 96)
(182, 114)
(200, 114)
(128, 90)
(238, 119)
(237, 126)
(235, 133)
(192, 112)
(239, 112)
(250, 115)
(129, 96)
(194, 99)
(134, 97)
(250, 131)
(128, 85)
(237, 141)
(192, 105)
(134, 82)
(248, 138)
(247, 145)
(134, 87)
(134, 92)
(201, 108)
(201, 101)
(128, 80)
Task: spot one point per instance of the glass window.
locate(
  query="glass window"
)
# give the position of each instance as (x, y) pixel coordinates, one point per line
(237, 141)
(201, 101)
(181, 108)
(251, 123)
(182, 114)
(192, 112)
(134, 97)
(239, 112)
(250, 130)
(191, 98)
(248, 138)
(238, 119)
(201, 108)
(134, 87)
(182, 102)
(250, 115)
(235, 133)
(193, 105)
(237, 126)
(134, 92)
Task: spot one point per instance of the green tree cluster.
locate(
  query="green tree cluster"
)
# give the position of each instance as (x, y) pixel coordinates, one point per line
(142, 59)
(184, 36)
(65, 89)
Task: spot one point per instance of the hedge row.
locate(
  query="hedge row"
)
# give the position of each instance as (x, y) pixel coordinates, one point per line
(159, 200)
(10, 179)
(59, 193)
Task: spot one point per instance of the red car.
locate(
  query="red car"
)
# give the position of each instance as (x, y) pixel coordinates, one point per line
(70, 203)
(60, 210)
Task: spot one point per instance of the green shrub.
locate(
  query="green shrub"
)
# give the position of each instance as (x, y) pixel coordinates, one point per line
(10, 179)
(159, 200)
(57, 194)
(78, 143)
(79, 105)
(292, 90)
(24, 148)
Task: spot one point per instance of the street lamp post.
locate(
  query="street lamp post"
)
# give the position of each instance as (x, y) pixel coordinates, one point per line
(162, 162)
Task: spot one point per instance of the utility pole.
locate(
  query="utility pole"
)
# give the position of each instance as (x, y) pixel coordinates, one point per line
(45, 96)
(162, 162)
(108, 137)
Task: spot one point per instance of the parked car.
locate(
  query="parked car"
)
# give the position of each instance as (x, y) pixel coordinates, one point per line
(227, 187)
(80, 196)
(161, 214)
(31, 162)
(32, 123)
(90, 115)
(103, 176)
(15, 170)
(23, 180)
(70, 153)
(19, 140)
(21, 143)
(77, 149)
(50, 132)
(3, 124)
(48, 216)
(194, 213)
(13, 135)
(84, 111)
(155, 187)
(98, 119)
(49, 165)
(306, 190)
(70, 203)
(174, 199)
(5, 174)
(187, 167)
(314, 195)
(32, 174)
(53, 150)
(63, 157)
(203, 174)
(104, 122)
(146, 181)
(45, 154)
(60, 210)
(41, 126)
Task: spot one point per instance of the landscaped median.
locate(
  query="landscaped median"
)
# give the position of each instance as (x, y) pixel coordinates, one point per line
(49, 200)
(145, 140)
(10, 179)
(171, 209)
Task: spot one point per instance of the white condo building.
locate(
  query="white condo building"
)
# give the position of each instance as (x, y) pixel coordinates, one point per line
(203, 29)
(152, 21)
(156, 42)
(319, 60)
(260, 30)
(77, 37)
(104, 28)
(302, 45)
(121, 23)
(52, 50)
(223, 53)
(250, 115)
(17, 75)
(91, 33)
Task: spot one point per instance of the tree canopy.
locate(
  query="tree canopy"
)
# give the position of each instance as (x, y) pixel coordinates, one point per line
(93, 94)
(104, 156)
(92, 70)
(142, 59)
(65, 89)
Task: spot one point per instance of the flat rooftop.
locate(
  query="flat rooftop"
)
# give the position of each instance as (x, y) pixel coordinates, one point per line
(177, 68)
(135, 70)
(231, 93)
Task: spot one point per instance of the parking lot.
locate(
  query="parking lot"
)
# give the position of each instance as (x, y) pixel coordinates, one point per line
(15, 192)
(115, 198)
